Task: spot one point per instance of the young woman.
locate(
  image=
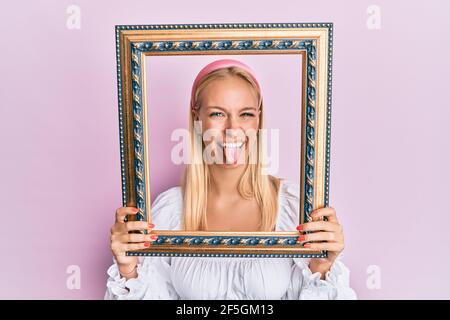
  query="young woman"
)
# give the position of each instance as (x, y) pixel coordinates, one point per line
(229, 193)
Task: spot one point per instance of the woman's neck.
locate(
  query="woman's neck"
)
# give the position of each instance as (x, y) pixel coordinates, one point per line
(224, 182)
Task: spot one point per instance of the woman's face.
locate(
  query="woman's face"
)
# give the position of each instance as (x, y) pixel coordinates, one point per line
(228, 113)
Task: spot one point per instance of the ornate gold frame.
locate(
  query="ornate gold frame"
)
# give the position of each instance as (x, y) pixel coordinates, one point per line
(312, 40)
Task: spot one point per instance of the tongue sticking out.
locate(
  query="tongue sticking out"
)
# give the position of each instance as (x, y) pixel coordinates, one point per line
(232, 155)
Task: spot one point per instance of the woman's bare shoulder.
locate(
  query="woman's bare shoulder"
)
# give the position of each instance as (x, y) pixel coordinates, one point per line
(167, 208)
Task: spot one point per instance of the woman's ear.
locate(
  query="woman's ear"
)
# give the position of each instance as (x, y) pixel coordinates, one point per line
(195, 114)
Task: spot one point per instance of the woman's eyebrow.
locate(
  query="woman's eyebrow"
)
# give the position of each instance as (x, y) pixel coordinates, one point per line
(249, 108)
(217, 107)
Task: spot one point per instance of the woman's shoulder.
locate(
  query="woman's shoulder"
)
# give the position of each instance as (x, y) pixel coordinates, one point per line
(289, 205)
(167, 209)
(289, 190)
(169, 196)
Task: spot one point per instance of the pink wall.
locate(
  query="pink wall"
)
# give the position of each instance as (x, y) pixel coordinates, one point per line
(60, 163)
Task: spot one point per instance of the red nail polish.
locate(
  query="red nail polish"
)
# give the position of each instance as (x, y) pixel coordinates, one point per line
(147, 244)
(301, 238)
(154, 237)
(151, 225)
(300, 228)
(307, 245)
(136, 209)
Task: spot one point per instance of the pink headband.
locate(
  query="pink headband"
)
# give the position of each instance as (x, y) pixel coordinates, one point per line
(219, 64)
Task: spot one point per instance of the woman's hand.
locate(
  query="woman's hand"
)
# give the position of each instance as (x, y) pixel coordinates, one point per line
(328, 235)
(123, 241)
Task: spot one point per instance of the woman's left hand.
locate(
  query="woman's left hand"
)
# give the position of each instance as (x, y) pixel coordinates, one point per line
(328, 235)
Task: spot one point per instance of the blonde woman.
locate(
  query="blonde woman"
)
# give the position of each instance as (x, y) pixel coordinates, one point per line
(224, 189)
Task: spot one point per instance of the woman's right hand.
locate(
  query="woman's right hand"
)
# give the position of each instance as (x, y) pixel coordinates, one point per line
(123, 241)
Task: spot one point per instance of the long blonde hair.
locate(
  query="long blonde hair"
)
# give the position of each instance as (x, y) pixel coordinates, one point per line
(196, 179)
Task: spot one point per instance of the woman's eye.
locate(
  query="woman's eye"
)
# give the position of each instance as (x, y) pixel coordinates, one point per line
(216, 114)
(247, 114)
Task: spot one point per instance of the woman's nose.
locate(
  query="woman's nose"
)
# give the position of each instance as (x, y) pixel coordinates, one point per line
(233, 130)
(233, 123)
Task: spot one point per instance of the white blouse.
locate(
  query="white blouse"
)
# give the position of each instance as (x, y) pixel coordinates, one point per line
(223, 278)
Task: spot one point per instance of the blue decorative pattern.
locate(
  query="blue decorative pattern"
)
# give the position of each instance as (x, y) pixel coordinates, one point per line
(226, 240)
(137, 50)
(228, 255)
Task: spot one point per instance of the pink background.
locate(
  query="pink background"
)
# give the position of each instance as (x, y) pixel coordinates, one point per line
(60, 148)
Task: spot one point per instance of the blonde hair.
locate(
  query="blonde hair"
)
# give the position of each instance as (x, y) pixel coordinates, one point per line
(196, 179)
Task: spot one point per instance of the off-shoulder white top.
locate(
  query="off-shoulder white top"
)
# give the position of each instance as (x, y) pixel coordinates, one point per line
(228, 278)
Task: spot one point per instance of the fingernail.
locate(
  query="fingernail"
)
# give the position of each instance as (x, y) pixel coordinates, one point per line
(147, 244)
(313, 214)
(151, 225)
(301, 238)
(136, 209)
(154, 237)
(307, 245)
(299, 227)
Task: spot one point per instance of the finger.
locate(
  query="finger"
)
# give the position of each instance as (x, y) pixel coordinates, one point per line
(328, 212)
(121, 248)
(138, 226)
(122, 212)
(130, 237)
(135, 237)
(138, 246)
(119, 228)
(328, 246)
(320, 236)
(319, 226)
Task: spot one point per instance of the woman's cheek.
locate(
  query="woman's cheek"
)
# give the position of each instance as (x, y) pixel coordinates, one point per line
(211, 124)
(252, 125)
(217, 129)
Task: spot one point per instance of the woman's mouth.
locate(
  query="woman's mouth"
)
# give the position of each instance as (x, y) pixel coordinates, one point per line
(232, 151)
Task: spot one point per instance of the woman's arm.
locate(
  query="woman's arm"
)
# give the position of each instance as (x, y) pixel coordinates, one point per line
(123, 240)
(152, 281)
(306, 285)
(328, 235)
(149, 277)
(322, 278)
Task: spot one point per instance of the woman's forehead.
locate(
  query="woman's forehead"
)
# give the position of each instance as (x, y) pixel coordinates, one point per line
(229, 94)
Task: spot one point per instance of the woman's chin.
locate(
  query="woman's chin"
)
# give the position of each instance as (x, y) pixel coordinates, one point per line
(230, 165)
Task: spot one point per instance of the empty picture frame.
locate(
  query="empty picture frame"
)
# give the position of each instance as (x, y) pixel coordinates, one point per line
(310, 42)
